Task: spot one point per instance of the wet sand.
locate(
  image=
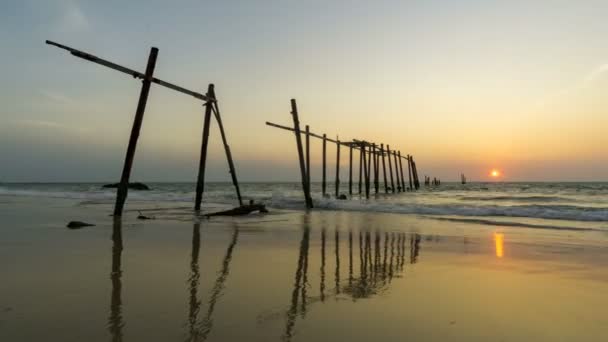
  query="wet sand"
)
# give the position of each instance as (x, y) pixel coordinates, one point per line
(289, 275)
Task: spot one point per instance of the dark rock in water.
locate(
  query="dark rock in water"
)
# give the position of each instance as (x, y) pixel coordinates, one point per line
(132, 186)
(342, 197)
(78, 224)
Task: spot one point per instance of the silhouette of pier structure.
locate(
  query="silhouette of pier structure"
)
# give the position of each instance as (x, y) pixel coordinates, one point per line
(372, 158)
(147, 77)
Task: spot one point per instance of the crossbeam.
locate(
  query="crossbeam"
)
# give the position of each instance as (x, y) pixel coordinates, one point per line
(136, 74)
(355, 143)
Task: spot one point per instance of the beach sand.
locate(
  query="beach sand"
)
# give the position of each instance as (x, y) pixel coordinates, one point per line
(291, 275)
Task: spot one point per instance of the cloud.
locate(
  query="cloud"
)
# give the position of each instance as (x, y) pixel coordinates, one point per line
(40, 123)
(596, 73)
(57, 97)
(73, 19)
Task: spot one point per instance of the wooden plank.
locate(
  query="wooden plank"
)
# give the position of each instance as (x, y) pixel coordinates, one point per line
(123, 187)
(200, 182)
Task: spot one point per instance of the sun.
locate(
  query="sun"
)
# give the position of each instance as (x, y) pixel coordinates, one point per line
(495, 173)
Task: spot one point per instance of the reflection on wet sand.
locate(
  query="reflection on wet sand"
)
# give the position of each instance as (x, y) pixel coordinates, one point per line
(200, 331)
(115, 321)
(194, 280)
(499, 244)
(376, 268)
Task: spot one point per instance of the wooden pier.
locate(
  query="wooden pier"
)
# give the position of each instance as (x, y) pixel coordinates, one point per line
(372, 156)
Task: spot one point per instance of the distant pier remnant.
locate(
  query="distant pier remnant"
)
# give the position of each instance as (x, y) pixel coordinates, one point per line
(369, 163)
(211, 107)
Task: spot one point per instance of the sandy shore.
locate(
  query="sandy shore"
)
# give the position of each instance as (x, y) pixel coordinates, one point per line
(322, 276)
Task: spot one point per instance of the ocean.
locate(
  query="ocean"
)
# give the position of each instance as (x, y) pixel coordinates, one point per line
(531, 204)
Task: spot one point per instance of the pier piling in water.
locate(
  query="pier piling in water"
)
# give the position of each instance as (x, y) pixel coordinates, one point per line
(337, 168)
(324, 185)
(390, 167)
(303, 171)
(200, 182)
(350, 169)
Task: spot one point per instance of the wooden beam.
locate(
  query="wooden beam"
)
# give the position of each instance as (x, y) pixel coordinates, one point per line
(296, 129)
(324, 185)
(338, 169)
(384, 168)
(350, 169)
(308, 157)
(401, 170)
(200, 182)
(397, 172)
(409, 171)
(390, 167)
(218, 118)
(135, 74)
(123, 187)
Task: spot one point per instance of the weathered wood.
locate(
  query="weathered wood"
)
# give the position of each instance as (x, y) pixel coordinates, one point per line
(308, 156)
(376, 166)
(350, 169)
(390, 167)
(135, 74)
(409, 171)
(401, 170)
(296, 129)
(368, 173)
(218, 118)
(123, 188)
(384, 168)
(324, 185)
(360, 170)
(338, 169)
(397, 172)
(415, 174)
(200, 181)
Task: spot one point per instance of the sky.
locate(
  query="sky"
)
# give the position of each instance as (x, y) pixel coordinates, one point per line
(464, 86)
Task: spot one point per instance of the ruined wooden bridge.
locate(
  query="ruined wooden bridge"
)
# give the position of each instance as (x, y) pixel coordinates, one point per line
(371, 157)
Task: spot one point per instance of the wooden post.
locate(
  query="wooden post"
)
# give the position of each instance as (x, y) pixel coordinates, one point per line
(368, 173)
(409, 171)
(123, 187)
(401, 170)
(200, 182)
(384, 168)
(338, 168)
(399, 188)
(220, 125)
(415, 174)
(390, 167)
(308, 158)
(360, 168)
(324, 186)
(350, 169)
(376, 167)
(303, 171)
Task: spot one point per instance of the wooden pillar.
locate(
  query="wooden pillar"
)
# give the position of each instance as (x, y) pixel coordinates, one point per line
(218, 118)
(368, 173)
(308, 158)
(324, 186)
(123, 187)
(350, 169)
(409, 171)
(401, 170)
(384, 168)
(399, 188)
(390, 167)
(303, 171)
(376, 180)
(200, 182)
(360, 168)
(338, 168)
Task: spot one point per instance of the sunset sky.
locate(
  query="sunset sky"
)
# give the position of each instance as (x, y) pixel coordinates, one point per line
(464, 86)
